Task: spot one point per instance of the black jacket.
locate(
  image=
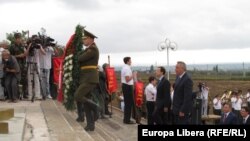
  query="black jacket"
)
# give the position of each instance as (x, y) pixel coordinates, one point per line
(183, 101)
(247, 122)
(163, 98)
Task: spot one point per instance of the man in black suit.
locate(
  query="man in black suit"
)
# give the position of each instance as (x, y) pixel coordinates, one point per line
(244, 112)
(182, 101)
(228, 117)
(163, 100)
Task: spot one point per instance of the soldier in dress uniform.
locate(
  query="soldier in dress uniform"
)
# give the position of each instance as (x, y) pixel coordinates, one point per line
(18, 50)
(88, 61)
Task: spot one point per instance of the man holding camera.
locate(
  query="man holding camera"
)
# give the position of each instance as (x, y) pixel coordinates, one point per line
(33, 50)
(204, 96)
(45, 66)
(11, 75)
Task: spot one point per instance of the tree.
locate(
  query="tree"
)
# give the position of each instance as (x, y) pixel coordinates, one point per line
(216, 68)
(11, 38)
(151, 69)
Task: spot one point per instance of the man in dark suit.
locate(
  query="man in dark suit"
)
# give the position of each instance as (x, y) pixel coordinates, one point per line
(228, 117)
(163, 100)
(182, 101)
(244, 112)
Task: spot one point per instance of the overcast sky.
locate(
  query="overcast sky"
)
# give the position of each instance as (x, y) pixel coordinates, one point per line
(207, 28)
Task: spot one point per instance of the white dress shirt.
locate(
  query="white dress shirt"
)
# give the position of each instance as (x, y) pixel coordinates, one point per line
(45, 60)
(217, 104)
(238, 104)
(245, 119)
(126, 71)
(204, 93)
(248, 97)
(150, 92)
(233, 100)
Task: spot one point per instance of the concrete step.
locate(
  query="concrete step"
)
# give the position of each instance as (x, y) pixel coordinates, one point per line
(108, 129)
(97, 135)
(6, 113)
(61, 126)
(4, 127)
(16, 128)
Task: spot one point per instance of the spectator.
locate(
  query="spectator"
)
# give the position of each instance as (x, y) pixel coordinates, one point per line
(217, 106)
(121, 99)
(2, 47)
(163, 99)
(245, 119)
(127, 89)
(150, 93)
(11, 75)
(228, 117)
(183, 92)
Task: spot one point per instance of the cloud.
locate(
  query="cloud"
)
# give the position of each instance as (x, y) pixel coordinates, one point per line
(15, 1)
(81, 4)
(139, 25)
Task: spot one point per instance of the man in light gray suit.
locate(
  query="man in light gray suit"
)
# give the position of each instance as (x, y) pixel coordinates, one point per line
(182, 101)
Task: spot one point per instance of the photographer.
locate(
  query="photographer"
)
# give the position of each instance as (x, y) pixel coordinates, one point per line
(11, 75)
(204, 95)
(33, 50)
(45, 66)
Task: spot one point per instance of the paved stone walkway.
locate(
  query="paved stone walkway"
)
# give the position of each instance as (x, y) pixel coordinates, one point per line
(49, 121)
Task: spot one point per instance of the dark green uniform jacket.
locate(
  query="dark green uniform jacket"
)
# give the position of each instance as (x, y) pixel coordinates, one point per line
(89, 57)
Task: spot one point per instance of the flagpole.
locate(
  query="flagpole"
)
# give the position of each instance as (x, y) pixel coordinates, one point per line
(110, 95)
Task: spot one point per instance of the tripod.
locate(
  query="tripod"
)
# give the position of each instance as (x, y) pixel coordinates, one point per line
(32, 70)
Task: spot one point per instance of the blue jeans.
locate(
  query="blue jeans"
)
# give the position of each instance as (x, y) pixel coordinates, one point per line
(45, 74)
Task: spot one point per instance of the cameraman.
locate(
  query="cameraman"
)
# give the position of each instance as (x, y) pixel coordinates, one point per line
(11, 75)
(45, 66)
(204, 95)
(33, 50)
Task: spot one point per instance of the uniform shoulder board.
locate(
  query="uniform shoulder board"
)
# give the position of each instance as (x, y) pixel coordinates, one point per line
(94, 45)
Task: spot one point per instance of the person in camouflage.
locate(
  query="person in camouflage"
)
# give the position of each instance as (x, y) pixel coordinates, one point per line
(18, 50)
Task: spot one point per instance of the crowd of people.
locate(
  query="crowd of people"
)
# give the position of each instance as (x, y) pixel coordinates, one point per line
(25, 69)
(173, 104)
(29, 67)
(235, 103)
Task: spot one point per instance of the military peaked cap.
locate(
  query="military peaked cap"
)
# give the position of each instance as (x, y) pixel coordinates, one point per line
(88, 34)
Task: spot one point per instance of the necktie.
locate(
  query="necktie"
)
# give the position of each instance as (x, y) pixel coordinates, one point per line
(177, 80)
(159, 81)
(224, 118)
(244, 121)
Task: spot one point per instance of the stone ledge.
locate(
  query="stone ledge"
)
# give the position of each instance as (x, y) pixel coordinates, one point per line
(16, 128)
(6, 113)
(4, 128)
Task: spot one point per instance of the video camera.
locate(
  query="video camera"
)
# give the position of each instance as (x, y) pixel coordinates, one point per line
(201, 85)
(37, 41)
